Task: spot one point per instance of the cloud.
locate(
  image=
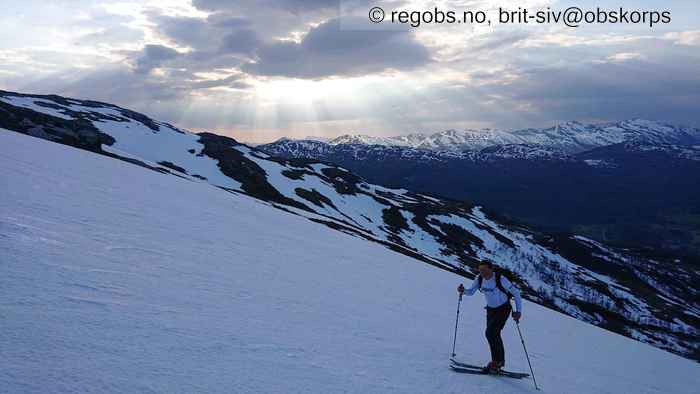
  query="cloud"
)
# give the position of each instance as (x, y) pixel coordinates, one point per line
(688, 38)
(211, 66)
(624, 57)
(111, 35)
(215, 41)
(286, 5)
(629, 86)
(227, 21)
(497, 40)
(186, 31)
(327, 50)
(117, 84)
(241, 41)
(233, 81)
(225, 39)
(153, 56)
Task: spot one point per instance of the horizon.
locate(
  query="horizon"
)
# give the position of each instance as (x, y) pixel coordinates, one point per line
(397, 135)
(207, 65)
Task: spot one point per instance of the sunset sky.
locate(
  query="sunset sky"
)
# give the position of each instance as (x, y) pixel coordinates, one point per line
(259, 70)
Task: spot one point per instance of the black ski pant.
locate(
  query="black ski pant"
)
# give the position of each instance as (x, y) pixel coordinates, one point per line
(496, 319)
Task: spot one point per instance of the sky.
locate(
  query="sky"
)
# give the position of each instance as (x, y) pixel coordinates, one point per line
(258, 70)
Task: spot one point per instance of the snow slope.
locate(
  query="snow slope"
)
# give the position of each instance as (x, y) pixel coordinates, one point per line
(120, 279)
(643, 298)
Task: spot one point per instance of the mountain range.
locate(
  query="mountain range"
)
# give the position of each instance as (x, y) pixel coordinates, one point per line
(630, 183)
(570, 137)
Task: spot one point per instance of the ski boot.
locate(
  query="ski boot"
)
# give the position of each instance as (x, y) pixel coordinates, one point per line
(492, 367)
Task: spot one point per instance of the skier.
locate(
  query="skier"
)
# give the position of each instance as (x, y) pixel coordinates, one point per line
(498, 291)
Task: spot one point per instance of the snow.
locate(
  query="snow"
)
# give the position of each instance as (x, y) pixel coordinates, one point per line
(318, 167)
(160, 284)
(362, 215)
(535, 275)
(31, 103)
(429, 198)
(360, 209)
(595, 163)
(368, 140)
(167, 144)
(422, 241)
(136, 140)
(569, 137)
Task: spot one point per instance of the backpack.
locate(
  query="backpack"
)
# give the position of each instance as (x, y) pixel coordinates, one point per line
(499, 285)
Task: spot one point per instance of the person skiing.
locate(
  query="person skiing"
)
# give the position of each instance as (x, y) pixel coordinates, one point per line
(498, 291)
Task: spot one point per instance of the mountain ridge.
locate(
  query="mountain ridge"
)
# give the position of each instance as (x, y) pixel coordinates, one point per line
(570, 137)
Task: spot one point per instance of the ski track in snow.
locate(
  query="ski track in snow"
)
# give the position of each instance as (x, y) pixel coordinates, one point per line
(153, 283)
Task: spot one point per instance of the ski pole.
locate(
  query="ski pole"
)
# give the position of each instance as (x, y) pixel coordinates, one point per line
(454, 342)
(517, 324)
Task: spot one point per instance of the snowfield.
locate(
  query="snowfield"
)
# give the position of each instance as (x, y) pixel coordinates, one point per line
(138, 281)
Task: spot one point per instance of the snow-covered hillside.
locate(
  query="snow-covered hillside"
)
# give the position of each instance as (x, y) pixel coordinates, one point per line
(641, 298)
(120, 279)
(569, 137)
(637, 194)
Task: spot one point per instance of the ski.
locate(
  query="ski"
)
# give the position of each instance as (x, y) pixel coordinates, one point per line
(477, 370)
(474, 371)
(465, 365)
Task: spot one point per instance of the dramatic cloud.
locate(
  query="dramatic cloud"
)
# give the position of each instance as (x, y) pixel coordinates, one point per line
(260, 69)
(153, 56)
(287, 5)
(497, 40)
(327, 50)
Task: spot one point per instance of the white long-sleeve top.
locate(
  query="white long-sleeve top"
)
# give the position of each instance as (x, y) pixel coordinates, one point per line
(494, 296)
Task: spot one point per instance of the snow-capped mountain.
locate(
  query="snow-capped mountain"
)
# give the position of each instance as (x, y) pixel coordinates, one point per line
(570, 137)
(306, 149)
(562, 142)
(469, 140)
(118, 279)
(622, 193)
(361, 139)
(316, 138)
(648, 299)
(449, 140)
(523, 152)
